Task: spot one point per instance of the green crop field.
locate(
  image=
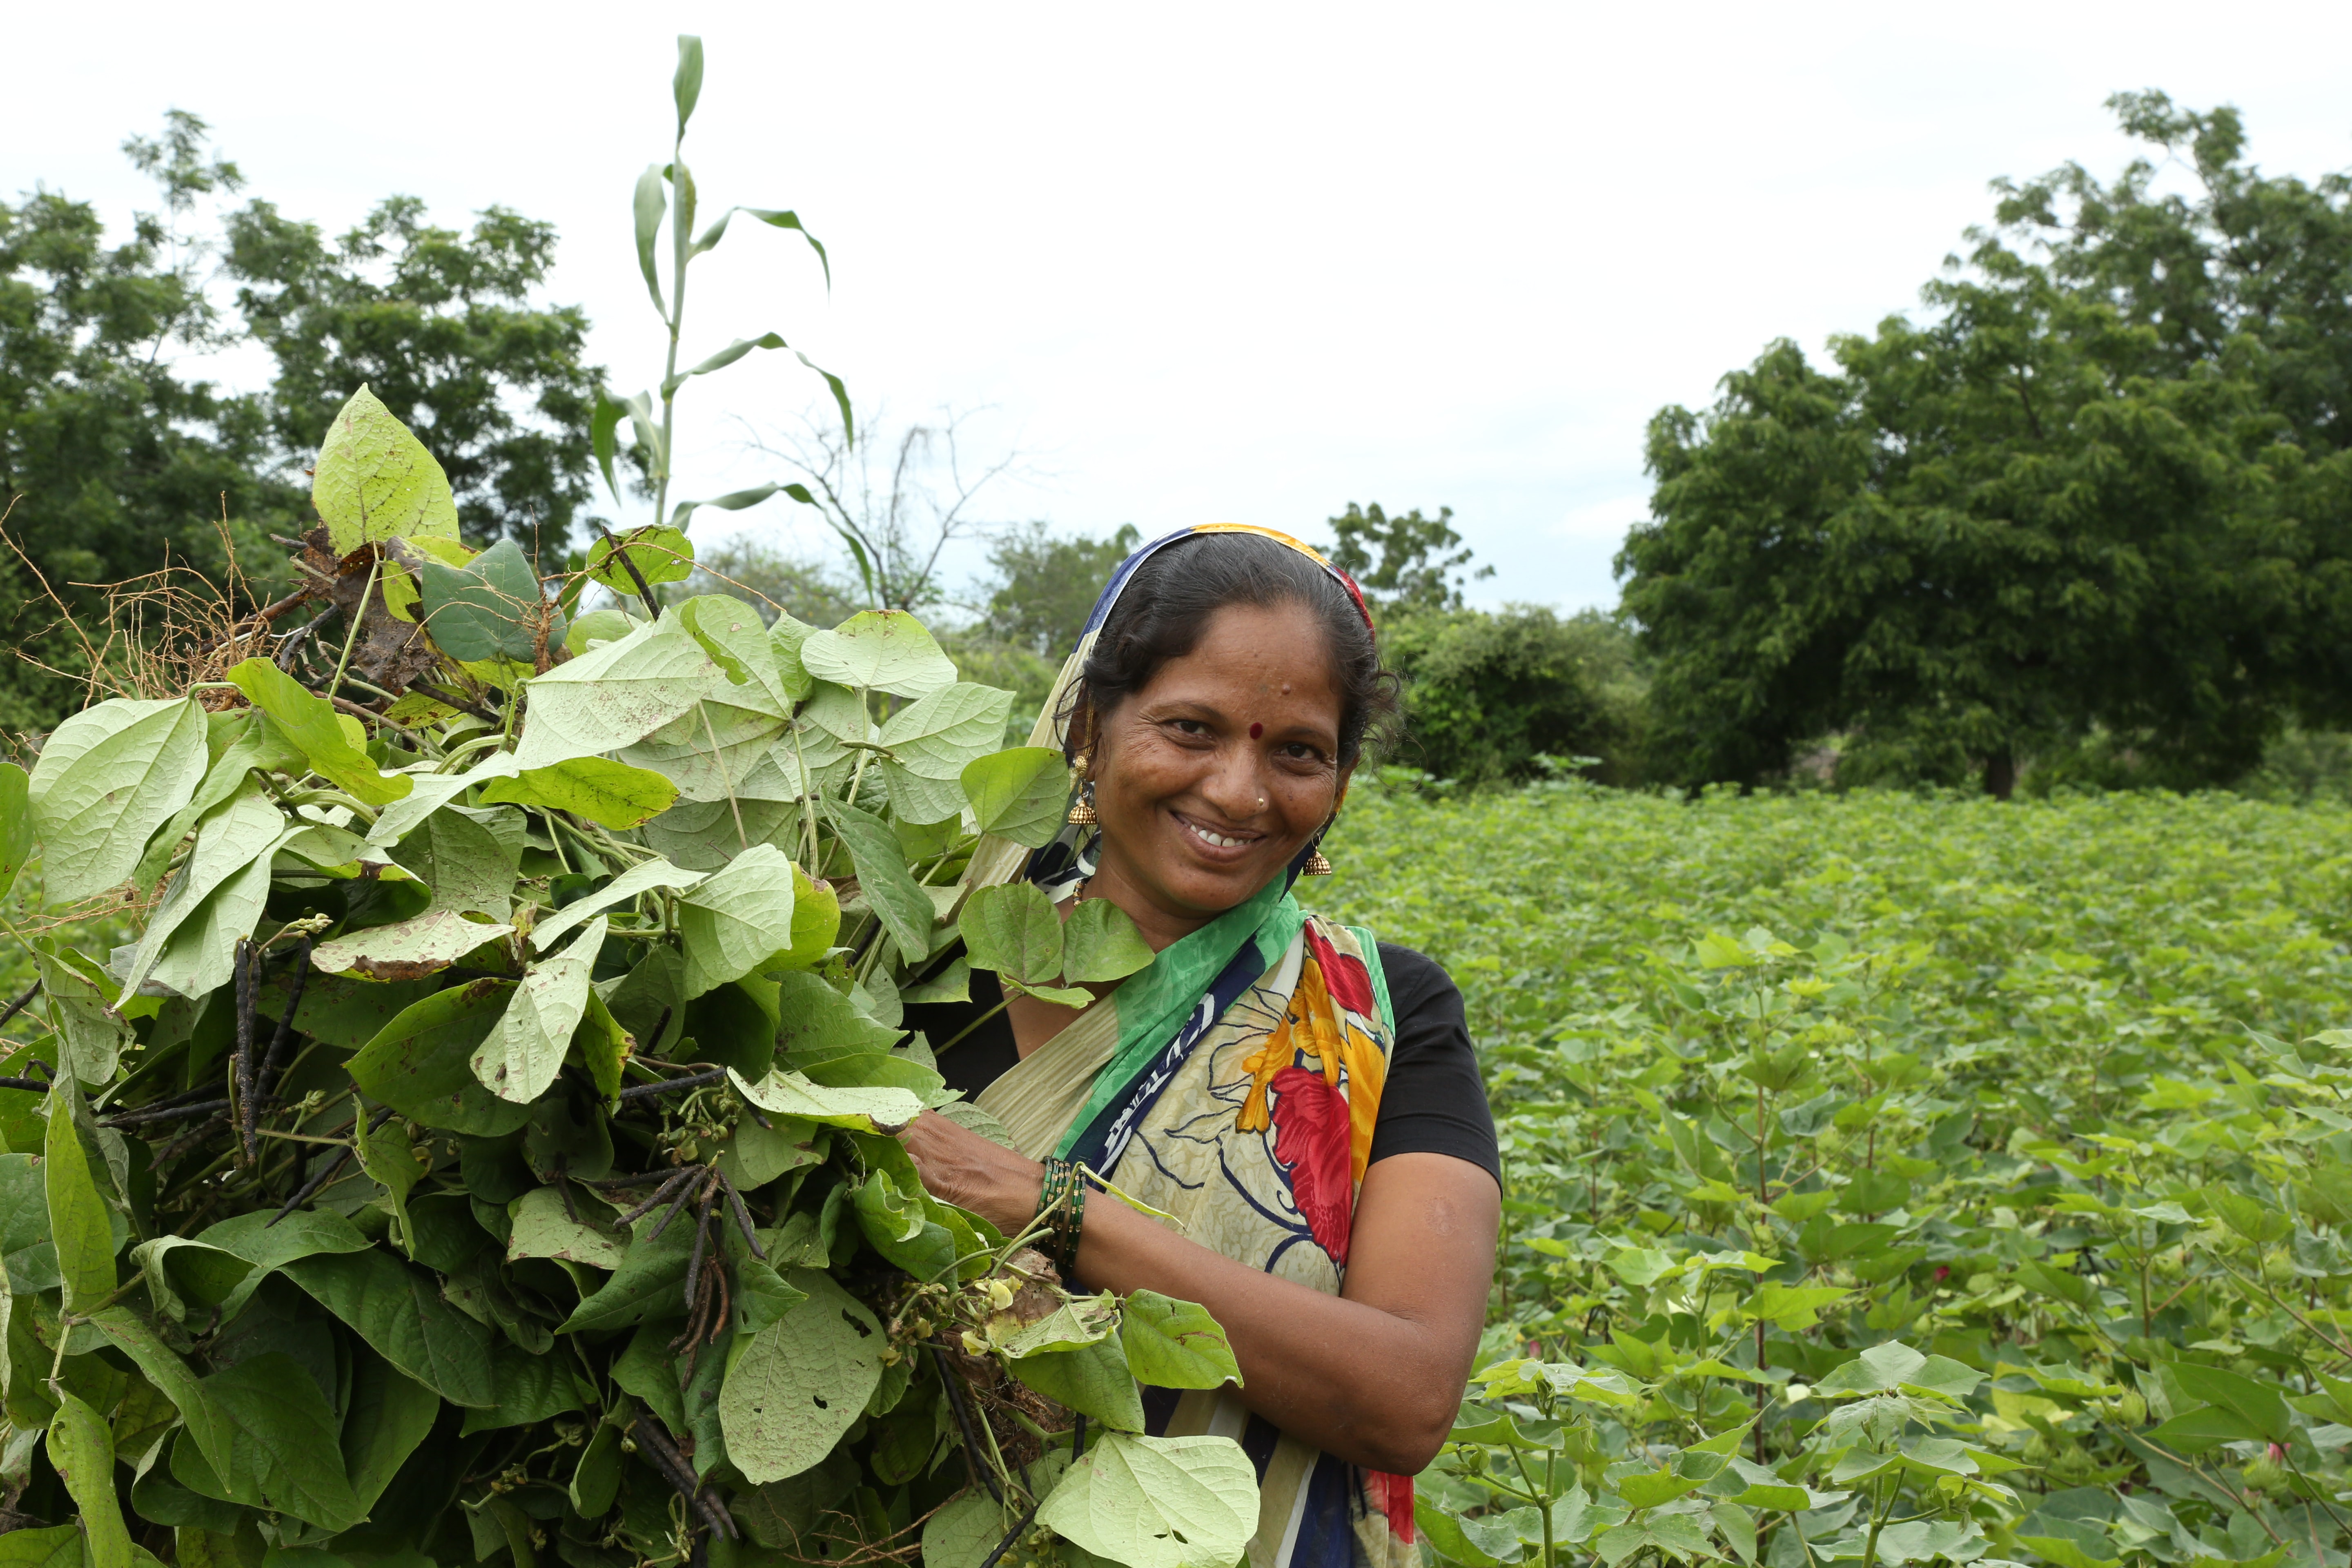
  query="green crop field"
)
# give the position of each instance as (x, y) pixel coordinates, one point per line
(1992, 1160)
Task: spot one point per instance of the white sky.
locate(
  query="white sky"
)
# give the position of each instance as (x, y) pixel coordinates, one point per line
(1218, 262)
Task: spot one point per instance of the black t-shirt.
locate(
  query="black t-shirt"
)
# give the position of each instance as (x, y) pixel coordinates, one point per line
(1433, 1101)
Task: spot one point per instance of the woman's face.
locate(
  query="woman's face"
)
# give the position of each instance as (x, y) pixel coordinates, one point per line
(1211, 778)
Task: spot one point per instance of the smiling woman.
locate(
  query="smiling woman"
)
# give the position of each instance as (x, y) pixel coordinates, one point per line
(1299, 1101)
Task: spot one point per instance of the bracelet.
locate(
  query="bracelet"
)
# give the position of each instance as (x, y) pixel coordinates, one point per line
(1062, 1204)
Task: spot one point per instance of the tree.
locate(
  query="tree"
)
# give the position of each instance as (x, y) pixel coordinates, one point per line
(1413, 568)
(1489, 696)
(442, 328)
(2052, 523)
(1046, 585)
(896, 499)
(111, 463)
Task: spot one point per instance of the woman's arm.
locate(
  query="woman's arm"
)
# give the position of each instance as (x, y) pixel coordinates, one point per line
(1373, 1374)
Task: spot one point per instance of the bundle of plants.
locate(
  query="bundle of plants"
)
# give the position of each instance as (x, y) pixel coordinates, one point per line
(486, 1148)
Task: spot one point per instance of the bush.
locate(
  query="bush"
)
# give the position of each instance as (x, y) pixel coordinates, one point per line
(1487, 695)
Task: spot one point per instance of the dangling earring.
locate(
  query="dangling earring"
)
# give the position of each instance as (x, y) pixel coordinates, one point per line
(1081, 811)
(1318, 863)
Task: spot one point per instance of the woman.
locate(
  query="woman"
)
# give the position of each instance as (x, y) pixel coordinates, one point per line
(1303, 1101)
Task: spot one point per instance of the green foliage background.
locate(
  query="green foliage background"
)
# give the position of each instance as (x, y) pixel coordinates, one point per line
(2053, 1092)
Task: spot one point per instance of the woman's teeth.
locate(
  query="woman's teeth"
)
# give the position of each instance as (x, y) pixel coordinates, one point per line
(1218, 839)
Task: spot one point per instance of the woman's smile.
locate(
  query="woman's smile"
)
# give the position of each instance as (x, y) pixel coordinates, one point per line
(1224, 845)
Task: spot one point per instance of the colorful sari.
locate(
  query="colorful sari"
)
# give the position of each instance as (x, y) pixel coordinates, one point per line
(1234, 1085)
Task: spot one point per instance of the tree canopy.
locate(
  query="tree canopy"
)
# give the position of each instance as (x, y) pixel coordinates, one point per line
(2090, 511)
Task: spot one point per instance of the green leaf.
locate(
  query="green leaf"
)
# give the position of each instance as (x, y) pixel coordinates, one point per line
(236, 835)
(2261, 1404)
(390, 1415)
(613, 695)
(1157, 1502)
(1020, 793)
(612, 793)
(732, 922)
(1101, 942)
(880, 650)
(905, 909)
(2259, 1223)
(1175, 1344)
(130, 1335)
(1013, 929)
(421, 1063)
(645, 1283)
(820, 1022)
(1791, 1307)
(90, 1033)
(718, 751)
(284, 1448)
(787, 1093)
(106, 780)
(1091, 1379)
(660, 554)
(962, 1534)
(78, 1219)
(544, 1228)
(83, 1454)
(931, 741)
(60, 1546)
(597, 1479)
(521, 1055)
(642, 878)
(399, 1312)
(490, 607)
(311, 722)
(2065, 1552)
(411, 949)
(16, 823)
(801, 1381)
(374, 480)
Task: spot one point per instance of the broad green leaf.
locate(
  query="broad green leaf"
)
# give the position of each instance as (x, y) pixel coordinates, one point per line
(715, 751)
(1792, 1307)
(2065, 1552)
(2258, 1223)
(932, 740)
(399, 1312)
(1013, 929)
(60, 1546)
(647, 1281)
(612, 793)
(753, 1155)
(1100, 943)
(1175, 1344)
(411, 949)
(489, 608)
(311, 722)
(90, 1033)
(388, 1156)
(431, 792)
(1091, 1379)
(803, 1381)
(816, 922)
(16, 823)
(2207, 1426)
(819, 1021)
(597, 1479)
(880, 650)
(786, 1093)
(1157, 1502)
(236, 835)
(962, 1534)
(375, 480)
(597, 627)
(532, 1388)
(603, 1045)
(704, 835)
(83, 1455)
(736, 920)
(1020, 794)
(284, 1448)
(2261, 1404)
(524, 1051)
(390, 1415)
(468, 858)
(639, 878)
(660, 554)
(30, 1256)
(78, 1218)
(108, 778)
(613, 695)
(731, 632)
(421, 1063)
(129, 1333)
(543, 1229)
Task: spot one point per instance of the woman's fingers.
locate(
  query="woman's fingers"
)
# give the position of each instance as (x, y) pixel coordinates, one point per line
(961, 1167)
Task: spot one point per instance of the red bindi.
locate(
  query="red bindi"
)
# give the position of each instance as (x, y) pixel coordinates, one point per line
(1256, 731)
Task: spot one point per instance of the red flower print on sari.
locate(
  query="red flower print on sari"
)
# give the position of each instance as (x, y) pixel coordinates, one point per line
(1310, 1143)
(1346, 979)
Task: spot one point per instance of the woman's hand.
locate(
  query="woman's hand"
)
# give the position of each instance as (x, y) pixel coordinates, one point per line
(961, 1167)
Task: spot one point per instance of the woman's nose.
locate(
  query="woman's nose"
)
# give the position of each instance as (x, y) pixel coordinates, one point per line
(1236, 786)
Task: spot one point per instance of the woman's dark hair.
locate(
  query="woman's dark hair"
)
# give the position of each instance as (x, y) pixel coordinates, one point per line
(1169, 603)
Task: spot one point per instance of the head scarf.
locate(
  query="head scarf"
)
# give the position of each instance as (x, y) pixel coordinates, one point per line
(1235, 1084)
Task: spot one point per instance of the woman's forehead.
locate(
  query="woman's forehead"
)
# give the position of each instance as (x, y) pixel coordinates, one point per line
(1267, 653)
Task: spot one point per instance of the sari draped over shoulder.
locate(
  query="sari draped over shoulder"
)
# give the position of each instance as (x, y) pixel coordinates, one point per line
(1232, 1084)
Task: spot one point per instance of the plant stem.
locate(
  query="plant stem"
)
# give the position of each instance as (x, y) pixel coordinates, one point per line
(352, 640)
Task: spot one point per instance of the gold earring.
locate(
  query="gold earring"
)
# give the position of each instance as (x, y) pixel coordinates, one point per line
(1318, 863)
(1082, 810)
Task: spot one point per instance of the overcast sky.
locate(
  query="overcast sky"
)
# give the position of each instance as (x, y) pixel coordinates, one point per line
(1241, 263)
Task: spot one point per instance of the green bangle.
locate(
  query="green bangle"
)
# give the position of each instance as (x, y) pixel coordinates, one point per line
(1061, 1203)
